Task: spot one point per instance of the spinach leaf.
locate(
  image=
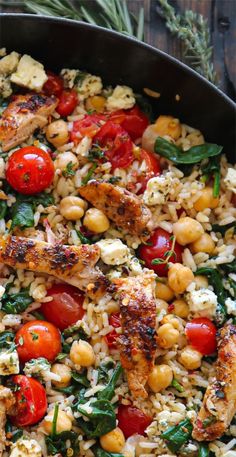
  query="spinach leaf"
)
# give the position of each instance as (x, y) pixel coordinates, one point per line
(103, 369)
(178, 435)
(215, 279)
(102, 418)
(99, 452)
(109, 391)
(80, 378)
(229, 267)
(22, 215)
(57, 444)
(194, 155)
(76, 333)
(83, 239)
(203, 450)
(6, 339)
(3, 208)
(212, 170)
(223, 228)
(16, 303)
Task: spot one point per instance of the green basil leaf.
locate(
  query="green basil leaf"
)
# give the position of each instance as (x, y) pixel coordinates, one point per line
(194, 155)
(178, 435)
(16, 303)
(22, 215)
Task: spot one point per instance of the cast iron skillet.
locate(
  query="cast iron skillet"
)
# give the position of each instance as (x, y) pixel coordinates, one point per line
(118, 59)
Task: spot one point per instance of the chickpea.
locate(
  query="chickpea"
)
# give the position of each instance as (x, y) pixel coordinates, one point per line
(57, 133)
(72, 208)
(206, 200)
(167, 336)
(96, 221)
(190, 358)
(81, 353)
(204, 244)
(201, 282)
(187, 230)
(149, 137)
(63, 424)
(181, 308)
(65, 158)
(167, 125)
(171, 319)
(164, 292)
(64, 372)
(113, 441)
(96, 103)
(179, 277)
(160, 378)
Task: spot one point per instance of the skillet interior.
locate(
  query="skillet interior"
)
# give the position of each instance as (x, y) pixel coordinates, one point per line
(117, 59)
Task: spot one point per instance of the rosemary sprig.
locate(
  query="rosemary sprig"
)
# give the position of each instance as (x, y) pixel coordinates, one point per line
(192, 29)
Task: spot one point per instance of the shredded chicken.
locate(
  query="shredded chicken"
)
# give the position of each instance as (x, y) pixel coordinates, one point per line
(72, 264)
(23, 116)
(219, 403)
(125, 209)
(138, 319)
(6, 403)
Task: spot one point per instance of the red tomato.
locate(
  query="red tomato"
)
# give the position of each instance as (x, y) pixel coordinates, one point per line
(66, 307)
(38, 339)
(53, 85)
(111, 338)
(201, 333)
(118, 145)
(67, 102)
(152, 169)
(30, 170)
(31, 401)
(133, 120)
(156, 248)
(88, 126)
(132, 420)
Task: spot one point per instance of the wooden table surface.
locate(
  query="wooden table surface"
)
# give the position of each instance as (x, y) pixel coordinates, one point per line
(221, 15)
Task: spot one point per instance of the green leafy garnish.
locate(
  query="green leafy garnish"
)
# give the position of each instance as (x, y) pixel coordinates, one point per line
(16, 303)
(6, 339)
(223, 228)
(203, 450)
(3, 208)
(99, 452)
(176, 436)
(194, 155)
(102, 418)
(86, 178)
(22, 211)
(83, 239)
(109, 391)
(54, 420)
(212, 170)
(69, 170)
(209, 421)
(57, 444)
(177, 385)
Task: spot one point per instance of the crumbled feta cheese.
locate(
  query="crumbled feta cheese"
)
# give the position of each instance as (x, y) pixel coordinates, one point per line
(5, 86)
(230, 180)
(113, 252)
(38, 368)
(157, 189)
(88, 86)
(69, 76)
(122, 97)
(9, 363)
(231, 306)
(134, 266)
(9, 63)
(29, 73)
(26, 448)
(202, 302)
(230, 453)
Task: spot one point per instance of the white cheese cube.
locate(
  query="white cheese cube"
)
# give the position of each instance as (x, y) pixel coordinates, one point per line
(202, 302)
(9, 363)
(89, 86)
(26, 448)
(9, 63)
(230, 180)
(157, 189)
(231, 306)
(122, 97)
(113, 252)
(30, 74)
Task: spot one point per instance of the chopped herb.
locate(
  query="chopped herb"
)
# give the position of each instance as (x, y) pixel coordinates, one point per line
(203, 450)
(57, 444)
(194, 155)
(83, 239)
(114, 179)
(208, 421)
(177, 385)
(3, 208)
(103, 371)
(212, 170)
(109, 391)
(61, 356)
(54, 420)
(69, 170)
(35, 336)
(178, 435)
(102, 418)
(89, 174)
(99, 452)
(6, 339)
(95, 153)
(22, 215)
(223, 228)
(16, 303)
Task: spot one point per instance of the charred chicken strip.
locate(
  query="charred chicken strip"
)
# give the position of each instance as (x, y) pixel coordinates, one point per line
(121, 206)
(22, 116)
(138, 319)
(72, 264)
(6, 403)
(219, 403)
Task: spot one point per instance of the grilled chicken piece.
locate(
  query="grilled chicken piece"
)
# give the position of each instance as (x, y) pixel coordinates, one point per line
(138, 319)
(72, 264)
(22, 116)
(121, 206)
(219, 403)
(6, 403)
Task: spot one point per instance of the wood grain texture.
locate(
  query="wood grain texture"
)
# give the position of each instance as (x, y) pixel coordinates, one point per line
(221, 15)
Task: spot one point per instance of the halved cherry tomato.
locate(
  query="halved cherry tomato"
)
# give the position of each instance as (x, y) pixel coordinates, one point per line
(133, 120)
(132, 420)
(88, 126)
(111, 337)
(31, 401)
(38, 339)
(152, 169)
(201, 333)
(65, 308)
(30, 170)
(67, 102)
(53, 85)
(157, 247)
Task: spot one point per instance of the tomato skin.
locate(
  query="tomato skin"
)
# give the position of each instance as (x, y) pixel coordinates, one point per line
(53, 85)
(67, 102)
(30, 170)
(88, 126)
(111, 337)
(201, 333)
(160, 243)
(31, 401)
(66, 307)
(132, 420)
(133, 120)
(38, 339)
(152, 169)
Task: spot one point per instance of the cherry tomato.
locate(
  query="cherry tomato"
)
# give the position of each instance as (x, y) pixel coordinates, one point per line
(88, 126)
(152, 169)
(111, 337)
(201, 333)
(67, 102)
(31, 401)
(38, 339)
(66, 306)
(30, 170)
(157, 247)
(132, 420)
(53, 85)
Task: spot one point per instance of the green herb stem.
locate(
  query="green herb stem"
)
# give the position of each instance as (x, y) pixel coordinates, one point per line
(54, 420)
